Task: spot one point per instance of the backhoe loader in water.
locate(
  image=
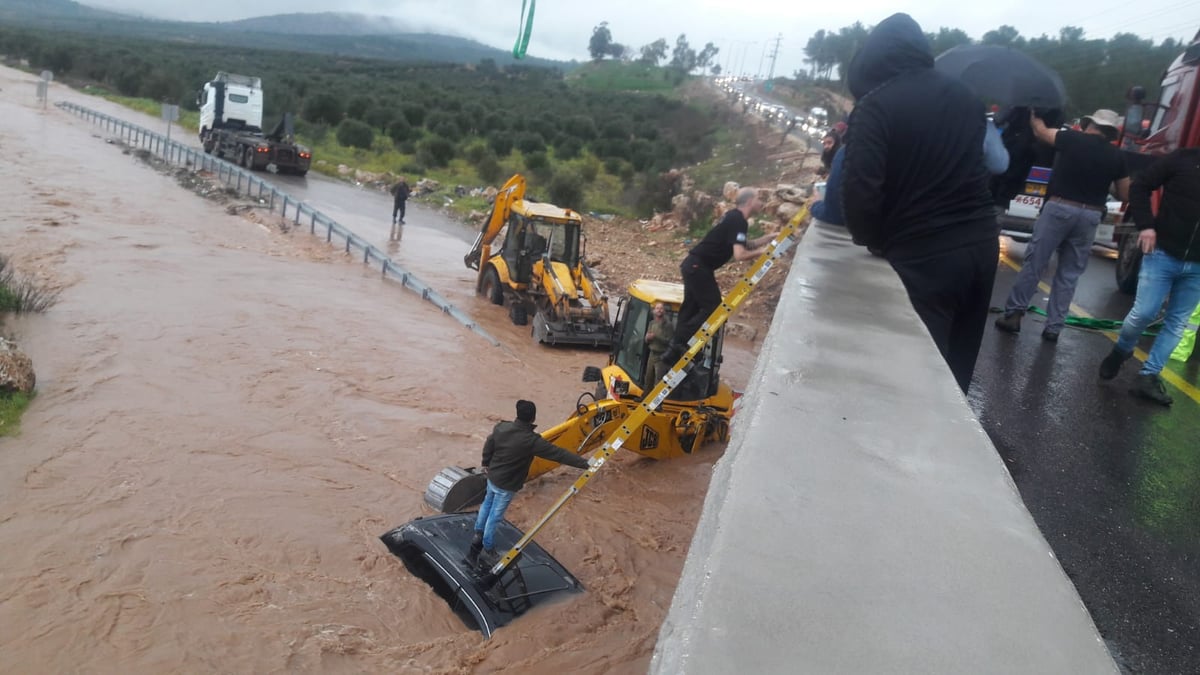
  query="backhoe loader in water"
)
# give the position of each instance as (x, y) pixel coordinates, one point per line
(659, 419)
(539, 269)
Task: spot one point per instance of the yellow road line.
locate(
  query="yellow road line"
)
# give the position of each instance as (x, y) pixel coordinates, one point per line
(1178, 382)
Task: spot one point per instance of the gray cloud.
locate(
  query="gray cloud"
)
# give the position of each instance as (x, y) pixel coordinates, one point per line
(742, 29)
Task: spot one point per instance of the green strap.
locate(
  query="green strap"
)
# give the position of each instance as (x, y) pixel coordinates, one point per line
(1098, 324)
(524, 29)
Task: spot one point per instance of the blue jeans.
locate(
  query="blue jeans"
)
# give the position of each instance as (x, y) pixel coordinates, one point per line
(492, 512)
(1161, 276)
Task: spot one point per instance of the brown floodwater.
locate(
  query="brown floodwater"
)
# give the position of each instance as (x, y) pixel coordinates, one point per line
(228, 417)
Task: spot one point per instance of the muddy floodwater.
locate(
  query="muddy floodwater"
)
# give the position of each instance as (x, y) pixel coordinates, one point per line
(229, 416)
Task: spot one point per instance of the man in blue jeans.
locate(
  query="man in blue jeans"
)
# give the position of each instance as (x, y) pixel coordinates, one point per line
(1170, 268)
(507, 455)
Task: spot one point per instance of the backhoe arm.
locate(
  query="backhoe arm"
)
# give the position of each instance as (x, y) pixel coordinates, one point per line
(513, 190)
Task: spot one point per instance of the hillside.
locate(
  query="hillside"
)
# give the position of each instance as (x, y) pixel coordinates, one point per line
(342, 34)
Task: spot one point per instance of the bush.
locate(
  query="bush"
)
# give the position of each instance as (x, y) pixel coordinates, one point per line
(400, 131)
(20, 294)
(489, 169)
(358, 106)
(355, 134)
(538, 164)
(589, 169)
(381, 117)
(581, 127)
(323, 109)
(530, 141)
(475, 152)
(501, 143)
(414, 113)
(568, 148)
(435, 151)
(566, 189)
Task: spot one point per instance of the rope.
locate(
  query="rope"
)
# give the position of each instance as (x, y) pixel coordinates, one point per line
(524, 29)
(1106, 325)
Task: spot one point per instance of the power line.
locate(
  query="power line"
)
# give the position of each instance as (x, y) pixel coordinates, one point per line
(774, 55)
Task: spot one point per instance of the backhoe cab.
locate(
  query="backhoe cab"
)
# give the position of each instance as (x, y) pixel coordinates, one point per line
(697, 411)
(539, 269)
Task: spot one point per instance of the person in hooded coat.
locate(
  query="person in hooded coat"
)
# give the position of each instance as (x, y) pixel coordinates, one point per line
(914, 186)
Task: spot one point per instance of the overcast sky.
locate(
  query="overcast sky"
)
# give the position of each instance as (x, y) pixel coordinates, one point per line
(742, 29)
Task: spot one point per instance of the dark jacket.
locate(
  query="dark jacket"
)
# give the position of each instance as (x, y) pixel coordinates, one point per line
(1177, 224)
(510, 450)
(913, 183)
(400, 191)
(829, 209)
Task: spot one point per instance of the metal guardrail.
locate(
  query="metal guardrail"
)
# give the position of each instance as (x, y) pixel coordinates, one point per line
(288, 207)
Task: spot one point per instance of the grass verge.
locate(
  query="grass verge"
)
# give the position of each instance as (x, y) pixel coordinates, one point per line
(11, 407)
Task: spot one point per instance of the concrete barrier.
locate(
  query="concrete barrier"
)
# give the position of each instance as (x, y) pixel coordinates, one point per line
(861, 520)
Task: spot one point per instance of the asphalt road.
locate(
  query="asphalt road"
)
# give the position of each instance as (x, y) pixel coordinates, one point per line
(1113, 481)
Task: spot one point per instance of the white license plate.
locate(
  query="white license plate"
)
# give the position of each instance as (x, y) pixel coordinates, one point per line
(1104, 233)
(1025, 206)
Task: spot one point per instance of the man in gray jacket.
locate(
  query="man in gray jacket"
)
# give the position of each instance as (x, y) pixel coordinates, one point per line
(507, 455)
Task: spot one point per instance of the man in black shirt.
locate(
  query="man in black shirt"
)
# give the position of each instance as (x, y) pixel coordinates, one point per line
(1085, 166)
(701, 294)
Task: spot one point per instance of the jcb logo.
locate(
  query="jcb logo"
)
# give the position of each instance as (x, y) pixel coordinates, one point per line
(649, 438)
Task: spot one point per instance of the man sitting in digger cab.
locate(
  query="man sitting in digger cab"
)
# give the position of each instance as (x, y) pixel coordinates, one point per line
(507, 455)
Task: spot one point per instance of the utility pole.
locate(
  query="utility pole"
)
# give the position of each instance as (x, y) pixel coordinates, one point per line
(774, 55)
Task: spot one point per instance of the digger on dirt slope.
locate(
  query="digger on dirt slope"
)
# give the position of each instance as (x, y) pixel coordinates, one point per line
(539, 269)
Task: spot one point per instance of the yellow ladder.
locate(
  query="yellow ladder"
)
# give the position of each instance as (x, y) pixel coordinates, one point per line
(787, 236)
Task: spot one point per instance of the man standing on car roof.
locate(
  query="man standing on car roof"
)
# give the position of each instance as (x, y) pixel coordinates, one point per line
(1086, 164)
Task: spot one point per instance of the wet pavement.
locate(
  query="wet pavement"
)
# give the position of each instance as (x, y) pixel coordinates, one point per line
(1112, 481)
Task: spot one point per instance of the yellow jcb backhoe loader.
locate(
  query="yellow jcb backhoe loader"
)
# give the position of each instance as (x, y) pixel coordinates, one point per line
(659, 419)
(539, 269)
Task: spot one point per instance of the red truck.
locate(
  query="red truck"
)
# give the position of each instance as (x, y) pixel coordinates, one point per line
(1154, 129)
(1174, 124)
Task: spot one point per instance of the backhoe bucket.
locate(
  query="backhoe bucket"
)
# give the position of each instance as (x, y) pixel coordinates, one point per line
(434, 549)
(556, 332)
(455, 489)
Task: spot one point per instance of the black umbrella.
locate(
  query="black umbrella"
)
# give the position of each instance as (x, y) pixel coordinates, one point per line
(1003, 75)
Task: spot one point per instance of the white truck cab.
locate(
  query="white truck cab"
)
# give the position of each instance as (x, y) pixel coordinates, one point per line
(230, 102)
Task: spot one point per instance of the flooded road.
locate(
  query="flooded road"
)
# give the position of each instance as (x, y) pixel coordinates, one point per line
(228, 417)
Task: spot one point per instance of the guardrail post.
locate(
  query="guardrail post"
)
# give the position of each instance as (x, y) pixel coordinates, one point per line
(329, 231)
(273, 193)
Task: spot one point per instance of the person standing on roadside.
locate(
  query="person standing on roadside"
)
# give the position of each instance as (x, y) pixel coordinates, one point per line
(914, 186)
(400, 193)
(1170, 270)
(701, 294)
(1086, 167)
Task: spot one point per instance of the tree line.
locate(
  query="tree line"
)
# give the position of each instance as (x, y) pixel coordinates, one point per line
(1096, 72)
(684, 59)
(436, 112)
